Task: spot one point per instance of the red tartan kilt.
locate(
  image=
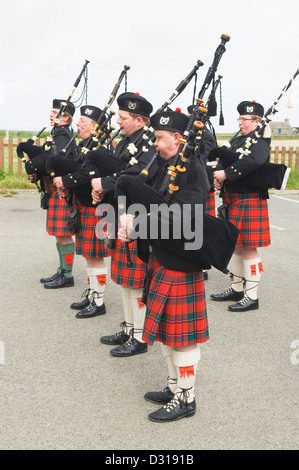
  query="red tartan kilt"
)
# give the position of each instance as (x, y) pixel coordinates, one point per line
(210, 204)
(250, 214)
(176, 311)
(122, 274)
(57, 216)
(87, 243)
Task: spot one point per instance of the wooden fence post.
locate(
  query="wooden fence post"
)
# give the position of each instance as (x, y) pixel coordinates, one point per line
(290, 160)
(283, 155)
(10, 154)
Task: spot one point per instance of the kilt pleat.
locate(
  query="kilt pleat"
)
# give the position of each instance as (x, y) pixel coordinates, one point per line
(176, 312)
(210, 204)
(57, 216)
(87, 243)
(250, 214)
(58, 211)
(122, 274)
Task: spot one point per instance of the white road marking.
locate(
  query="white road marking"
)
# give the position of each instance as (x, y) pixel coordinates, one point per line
(285, 198)
(276, 227)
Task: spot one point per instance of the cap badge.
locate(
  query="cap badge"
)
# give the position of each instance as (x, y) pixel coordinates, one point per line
(88, 111)
(164, 121)
(132, 105)
(249, 109)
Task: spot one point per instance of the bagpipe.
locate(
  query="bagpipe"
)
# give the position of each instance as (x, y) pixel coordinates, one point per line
(102, 129)
(98, 163)
(219, 236)
(211, 107)
(194, 129)
(37, 156)
(29, 148)
(96, 144)
(136, 149)
(145, 143)
(50, 141)
(270, 175)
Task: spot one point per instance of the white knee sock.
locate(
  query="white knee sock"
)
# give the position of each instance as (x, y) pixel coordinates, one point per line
(252, 273)
(186, 363)
(98, 281)
(138, 311)
(172, 379)
(126, 297)
(89, 275)
(237, 269)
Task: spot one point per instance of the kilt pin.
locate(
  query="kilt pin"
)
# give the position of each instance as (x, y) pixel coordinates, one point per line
(176, 312)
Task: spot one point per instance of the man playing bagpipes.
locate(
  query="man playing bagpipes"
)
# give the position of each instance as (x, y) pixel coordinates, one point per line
(245, 193)
(176, 313)
(73, 184)
(133, 115)
(57, 209)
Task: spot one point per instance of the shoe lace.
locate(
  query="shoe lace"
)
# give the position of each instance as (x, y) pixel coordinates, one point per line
(244, 300)
(131, 337)
(228, 291)
(123, 325)
(172, 380)
(179, 398)
(86, 293)
(92, 296)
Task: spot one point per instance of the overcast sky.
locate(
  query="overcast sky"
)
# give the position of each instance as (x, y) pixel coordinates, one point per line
(44, 47)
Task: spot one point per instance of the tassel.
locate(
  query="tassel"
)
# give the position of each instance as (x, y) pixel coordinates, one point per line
(221, 118)
(267, 132)
(291, 100)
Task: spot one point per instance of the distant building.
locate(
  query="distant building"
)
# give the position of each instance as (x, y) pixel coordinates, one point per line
(282, 128)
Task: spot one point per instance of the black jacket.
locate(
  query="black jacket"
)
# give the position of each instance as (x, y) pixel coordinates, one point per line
(109, 182)
(218, 239)
(237, 172)
(80, 179)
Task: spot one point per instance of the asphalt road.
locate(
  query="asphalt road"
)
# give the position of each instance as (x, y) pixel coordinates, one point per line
(61, 389)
